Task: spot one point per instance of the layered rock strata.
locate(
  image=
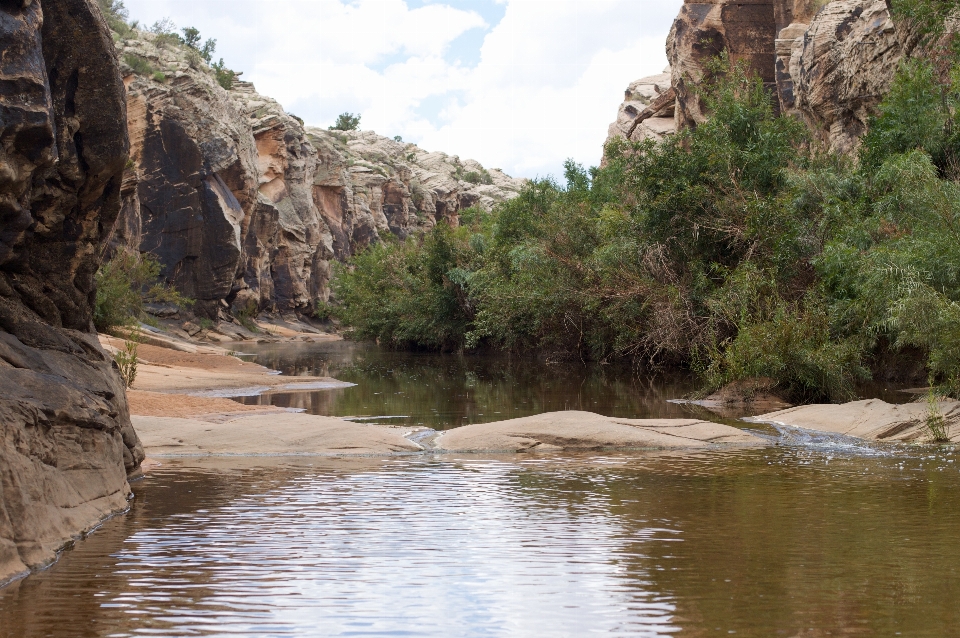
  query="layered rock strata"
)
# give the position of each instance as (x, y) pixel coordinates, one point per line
(246, 207)
(66, 442)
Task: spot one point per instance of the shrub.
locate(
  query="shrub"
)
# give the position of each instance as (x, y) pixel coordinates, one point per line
(128, 358)
(159, 77)
(124, 284)
(116, 15)
(140, 66)
(409, 294)
(225, 77)
(346, 122)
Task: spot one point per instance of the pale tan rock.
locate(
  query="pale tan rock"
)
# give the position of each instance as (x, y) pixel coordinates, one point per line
(745, 29)
(842, 68)
(647, 111)
(575, 430)
(280, 434)
(872, 419)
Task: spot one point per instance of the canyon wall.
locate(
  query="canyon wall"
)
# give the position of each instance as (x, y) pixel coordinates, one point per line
(66, 443)
(245, 207)
(829, 63)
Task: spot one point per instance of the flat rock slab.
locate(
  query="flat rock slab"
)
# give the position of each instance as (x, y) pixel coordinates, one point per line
(584, 430)
(873, 419)
(280, 434)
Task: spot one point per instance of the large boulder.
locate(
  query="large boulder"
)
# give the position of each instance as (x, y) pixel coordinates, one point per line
(66, 443)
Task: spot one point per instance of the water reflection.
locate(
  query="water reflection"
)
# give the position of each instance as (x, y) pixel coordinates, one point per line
(444, 391)
(787, 541)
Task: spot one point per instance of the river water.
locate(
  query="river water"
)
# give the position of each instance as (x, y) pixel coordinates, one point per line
(813, 537)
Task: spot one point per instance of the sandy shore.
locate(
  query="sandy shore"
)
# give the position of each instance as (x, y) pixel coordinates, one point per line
(210, 372)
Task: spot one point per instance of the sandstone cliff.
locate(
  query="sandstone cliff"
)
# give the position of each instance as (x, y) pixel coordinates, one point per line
(246, 207)
(827, 62)
(66, 443)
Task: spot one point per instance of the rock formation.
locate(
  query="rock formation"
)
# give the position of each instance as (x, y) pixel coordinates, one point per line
(246, 207)
(647, 111)
(66, 443)
(828, 62)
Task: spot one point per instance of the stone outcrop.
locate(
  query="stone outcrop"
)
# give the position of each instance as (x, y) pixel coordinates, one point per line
(829, 62)
(842, 67)
(745, 29)
(246, 207)
(872, 420)
(574, 430)
(647, 111)
(66, 443)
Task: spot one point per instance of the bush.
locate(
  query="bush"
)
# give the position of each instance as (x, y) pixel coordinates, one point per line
(140, 66)
(346, 122)
(116, 15)
(732, 248)
(409, 294)
(124, 284)
(225, 77)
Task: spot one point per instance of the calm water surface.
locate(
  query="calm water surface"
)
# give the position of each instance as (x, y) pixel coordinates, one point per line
(810, 537)
(787, 541)
(445, 391)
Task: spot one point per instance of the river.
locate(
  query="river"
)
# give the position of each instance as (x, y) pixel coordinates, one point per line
(810, 537)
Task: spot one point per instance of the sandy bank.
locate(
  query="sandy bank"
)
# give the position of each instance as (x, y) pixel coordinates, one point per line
(872, 420)
(209, 372)
(279, 434)
(585, 430)
(145, 403)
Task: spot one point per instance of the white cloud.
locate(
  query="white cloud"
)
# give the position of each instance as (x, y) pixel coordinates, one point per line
(550, 76)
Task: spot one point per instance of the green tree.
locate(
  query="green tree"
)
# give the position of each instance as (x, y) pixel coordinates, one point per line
(346, 122)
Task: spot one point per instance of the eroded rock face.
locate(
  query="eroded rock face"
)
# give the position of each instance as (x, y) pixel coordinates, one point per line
(842, 67)
(246, 208)
(66, 443)
(745, 29)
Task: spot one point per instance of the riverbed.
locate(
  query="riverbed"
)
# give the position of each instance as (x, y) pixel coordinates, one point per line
(811, 536)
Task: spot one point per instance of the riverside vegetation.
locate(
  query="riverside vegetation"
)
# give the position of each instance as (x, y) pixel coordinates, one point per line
(738, 249)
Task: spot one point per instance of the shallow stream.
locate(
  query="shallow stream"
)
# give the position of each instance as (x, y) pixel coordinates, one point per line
(815, 536)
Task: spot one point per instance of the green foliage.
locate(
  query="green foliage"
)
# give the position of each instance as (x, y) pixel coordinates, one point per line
(477, 177)
(140, 66)
(926, 18)
(918, 113)
(124, 284)
(116, 15)
(225, 77)
(128, 358)
(346, 122)
(396, 138)
(732, 248)
(410, 294)
(159, 77)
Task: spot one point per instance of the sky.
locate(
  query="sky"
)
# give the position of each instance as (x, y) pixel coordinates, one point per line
(520, 85)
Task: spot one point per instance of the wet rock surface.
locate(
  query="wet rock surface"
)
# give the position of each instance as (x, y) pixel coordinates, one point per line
(66, 442)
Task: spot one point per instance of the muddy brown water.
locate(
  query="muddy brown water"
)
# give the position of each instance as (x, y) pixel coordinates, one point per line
(812, 536)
